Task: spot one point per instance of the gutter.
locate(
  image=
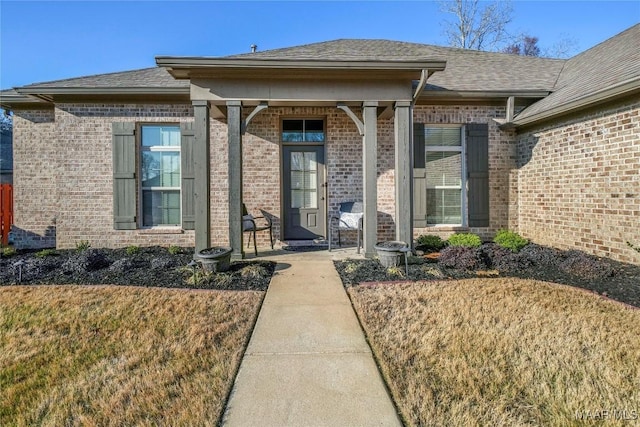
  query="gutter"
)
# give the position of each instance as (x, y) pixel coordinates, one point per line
(627, 87)
(200, 62)
(103, 91)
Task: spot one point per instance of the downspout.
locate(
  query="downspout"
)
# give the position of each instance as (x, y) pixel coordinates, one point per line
(424, 75)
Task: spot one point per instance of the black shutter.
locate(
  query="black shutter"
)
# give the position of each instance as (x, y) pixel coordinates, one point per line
(478, 174)
(124, 176)
(419, 177)
(187, 170)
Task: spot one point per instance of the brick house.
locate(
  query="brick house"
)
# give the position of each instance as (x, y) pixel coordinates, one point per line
(432, 139)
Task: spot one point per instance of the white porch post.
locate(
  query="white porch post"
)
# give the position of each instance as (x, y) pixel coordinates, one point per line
(404, 224)
(370, 176)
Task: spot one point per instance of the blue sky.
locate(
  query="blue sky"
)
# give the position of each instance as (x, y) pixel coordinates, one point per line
(50, 40)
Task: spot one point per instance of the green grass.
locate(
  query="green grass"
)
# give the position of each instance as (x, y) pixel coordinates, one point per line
(73, 355)
(502, 352)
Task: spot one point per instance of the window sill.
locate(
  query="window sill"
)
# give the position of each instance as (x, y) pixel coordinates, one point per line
(162, 230)
(448, 227)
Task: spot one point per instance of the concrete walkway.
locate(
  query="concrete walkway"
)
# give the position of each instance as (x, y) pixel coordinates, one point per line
(308, 363)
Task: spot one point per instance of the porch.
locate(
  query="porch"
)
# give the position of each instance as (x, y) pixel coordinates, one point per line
(238, 101)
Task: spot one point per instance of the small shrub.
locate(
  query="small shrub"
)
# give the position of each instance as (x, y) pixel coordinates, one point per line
(8, 252)
(253, 271)
(132, 250)
(542, 256)
(395, 271)
(46, 253)
(461, 258)
(432, 271)
(505, 260)
(196, 276)
(586, 266)
(510, 240)
(223, 280)
(82, 245)
(350, 268)
(429, 243)
(465, 240)
(174, 250)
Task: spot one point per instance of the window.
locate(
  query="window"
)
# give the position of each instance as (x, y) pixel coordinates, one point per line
(160, 175)
(303, 130)
(444, 169)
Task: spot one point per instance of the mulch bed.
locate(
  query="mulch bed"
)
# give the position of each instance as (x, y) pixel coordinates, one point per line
(150, 266)
(608, 278)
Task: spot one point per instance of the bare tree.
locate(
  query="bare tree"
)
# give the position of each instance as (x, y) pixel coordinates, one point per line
(6, 121)
(565, 47)
(477, 25)
(528, 46)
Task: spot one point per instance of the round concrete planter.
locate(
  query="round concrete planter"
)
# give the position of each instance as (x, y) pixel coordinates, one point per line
(215, 259)
(390, 253)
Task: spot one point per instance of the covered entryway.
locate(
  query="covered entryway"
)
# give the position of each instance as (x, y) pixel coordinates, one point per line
(235, 89)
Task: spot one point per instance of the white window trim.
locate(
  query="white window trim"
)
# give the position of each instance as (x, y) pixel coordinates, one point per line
(462, 149)
(156, 148)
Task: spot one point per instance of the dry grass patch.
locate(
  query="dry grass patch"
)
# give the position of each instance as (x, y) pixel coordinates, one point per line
(503, 352)
(72, 355)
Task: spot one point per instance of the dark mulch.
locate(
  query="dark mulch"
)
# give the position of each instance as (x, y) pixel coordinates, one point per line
(150, 266)
(615, 280)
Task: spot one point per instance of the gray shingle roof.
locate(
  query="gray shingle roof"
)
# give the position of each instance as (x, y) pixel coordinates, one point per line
(610, 63)
(466, 70)
(145, 78)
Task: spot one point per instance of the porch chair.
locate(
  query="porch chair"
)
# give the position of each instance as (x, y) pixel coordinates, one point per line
(249, 226)
(350, 217)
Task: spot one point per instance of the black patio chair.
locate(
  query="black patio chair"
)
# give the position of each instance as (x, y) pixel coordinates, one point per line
(250, 226)
(350, 217)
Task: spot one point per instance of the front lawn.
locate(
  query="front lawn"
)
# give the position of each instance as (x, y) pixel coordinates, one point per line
(503, 351)
(78, 355)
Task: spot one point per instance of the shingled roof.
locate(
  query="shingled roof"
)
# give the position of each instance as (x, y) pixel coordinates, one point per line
(466, 70)
(608, 65)
(144, 78)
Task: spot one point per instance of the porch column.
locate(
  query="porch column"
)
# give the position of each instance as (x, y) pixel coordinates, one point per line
(370, 176)
(404, 224)
(234, 129)
(202, 174)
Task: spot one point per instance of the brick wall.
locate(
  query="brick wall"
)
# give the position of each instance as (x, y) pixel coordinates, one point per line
(64, 188)
(35, 157)
(262, 166)
(69, 185)
(580, 182)
(502, 164)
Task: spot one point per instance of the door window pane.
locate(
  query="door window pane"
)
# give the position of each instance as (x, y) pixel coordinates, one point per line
(303, 180)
